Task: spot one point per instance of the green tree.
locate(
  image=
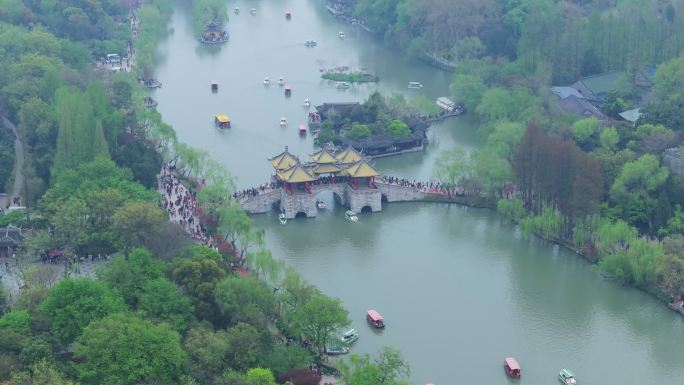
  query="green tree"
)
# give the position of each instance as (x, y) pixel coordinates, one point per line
(197, 278)
(161, 300)
(260, 376)
(468, 89)
(245, 346)
(124, 349)
(386, 369)
(75, 303)
(358, 131)
(584, 129)
(245, 299)
(452, 167)
(285, 357)
(633, 191)
(41, 373)
(398, 129)
(609, 138)
(318, 318)
(138, 224)
(207, 350)
(128, 275)
(18, 321)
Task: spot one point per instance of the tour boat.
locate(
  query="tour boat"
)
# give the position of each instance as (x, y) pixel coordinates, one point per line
(512, 367)
(342, 85)
(214, 86)
(375, 319)
(288, 90)
(320, 204)
(288, 15)
(566, 377)
(350, 215)
(266, 81)
(222, 120)
(302, 129)
(336, 350)
(350, 336)
(281, 81)
(307, 103)
(282, 219)
(252, 11)
(342, 35)
(283, 122)
(236, 10)
(310, 43)
(415, 85)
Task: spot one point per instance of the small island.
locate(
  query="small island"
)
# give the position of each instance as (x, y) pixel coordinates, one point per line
(380, 126)
(351, 76)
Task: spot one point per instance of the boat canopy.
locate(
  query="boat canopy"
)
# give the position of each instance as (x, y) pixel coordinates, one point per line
(222, 118)
(288, 87)
(566, 373)
(446, 101)
(374, 315)
(512, 363)
(350, 333)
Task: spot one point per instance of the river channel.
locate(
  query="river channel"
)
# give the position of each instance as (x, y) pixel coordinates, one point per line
(460, 288)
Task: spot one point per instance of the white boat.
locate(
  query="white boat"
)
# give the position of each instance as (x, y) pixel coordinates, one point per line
(252, 11)
(415, 85)
(350, 336)
(307, 103)
(236, 10)
(342, 85)
(266, 81)
(282, 219)
(350, 215)
(342, 35)
(281, 81)
(283, 122)
(321, 205)
(565, 376)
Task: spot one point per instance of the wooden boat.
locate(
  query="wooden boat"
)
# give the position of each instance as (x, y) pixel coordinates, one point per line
(342, 35)
(350, 215)
(512, 367)
(283, 122)
(252, 11)
(375, 319)
(320, 204)
(350, 336)
(288, 16)
(445, 103)
(307, 103)
(311, 43)
(566, 377)
(415, 85)
(214, 86)
(342, 85)
(281, 81)
(236, 10)
(336, 350)
(222, 120)
(282, 219)
(288, 90)
(302, 129)
(266, 81)
(149, 102)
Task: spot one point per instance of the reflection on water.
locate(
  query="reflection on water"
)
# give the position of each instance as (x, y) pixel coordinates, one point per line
(459, 287)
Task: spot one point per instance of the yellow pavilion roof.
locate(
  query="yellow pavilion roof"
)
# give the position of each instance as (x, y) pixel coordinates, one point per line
(361, 169)
(349, 156)
(222, 118)
(295, 174)
(284, 160)
(324, 157)
(327, 169)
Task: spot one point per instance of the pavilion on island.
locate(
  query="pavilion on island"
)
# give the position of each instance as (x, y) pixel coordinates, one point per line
(361, 174)
(326, 166)
(295, 179)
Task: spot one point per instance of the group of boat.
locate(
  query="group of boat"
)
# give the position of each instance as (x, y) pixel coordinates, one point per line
(267, 81)
(512, 368)
(342, 344)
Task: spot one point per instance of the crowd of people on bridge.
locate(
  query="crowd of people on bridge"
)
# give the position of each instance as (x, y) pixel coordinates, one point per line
(428, 187)
(181, 205)
(255, 191)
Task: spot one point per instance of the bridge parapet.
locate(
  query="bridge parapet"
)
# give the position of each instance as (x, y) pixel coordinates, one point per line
(398, 193)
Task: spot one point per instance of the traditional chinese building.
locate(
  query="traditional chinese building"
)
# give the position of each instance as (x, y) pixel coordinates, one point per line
(10, 238)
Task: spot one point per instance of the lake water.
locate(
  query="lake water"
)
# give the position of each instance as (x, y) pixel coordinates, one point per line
(460, 288)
